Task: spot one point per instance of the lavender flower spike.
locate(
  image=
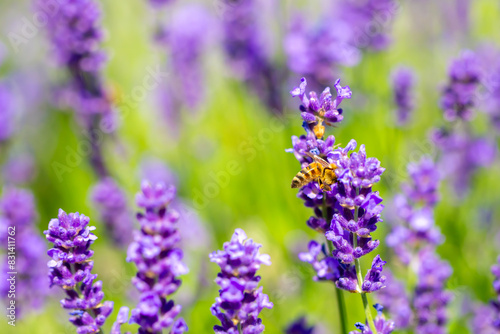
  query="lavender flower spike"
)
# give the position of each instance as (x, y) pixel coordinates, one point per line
(240, 300)
(70, 268)
(17, 214)
(317, 111)
(487, 317)
(158, 259)
(403, 82)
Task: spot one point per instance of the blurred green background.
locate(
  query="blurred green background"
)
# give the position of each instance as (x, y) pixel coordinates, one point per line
(233, 125)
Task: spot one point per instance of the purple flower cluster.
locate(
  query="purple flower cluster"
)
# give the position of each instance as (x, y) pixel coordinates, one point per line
(398, 301)
(111, 202)
(299, 326)
(76, 34)
(6, 113)
(159, 262)
(320, 48)
(187, 37)
(17, 221)
(462, 155)
(71, 269)
(318, 111)
(240, 299)
(243, 40)
(403, 82)
(486, 318)
(351, 210)
(370, 21)
(490, 74)
(415, 208)
(459, 96)
(317, 51)
(382, 325)
(430, 298)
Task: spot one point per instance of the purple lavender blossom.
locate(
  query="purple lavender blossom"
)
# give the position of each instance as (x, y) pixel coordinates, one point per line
(159, 261)
(19, 169)
(415, 208)
(240, 300)
(397, 300)
(317, 111)
(486, 318)
(490, 79)
(160, 3)
(462, 155)
(17, 216)
(370, 21)
(382, 325)
(431, 299)
(403, 82)
(6, 112)
(299, 326)
(70, 269)
(111, 202)
(188, 35)
(244, 43)
(317, 51)
(75, 34)
(459, 96)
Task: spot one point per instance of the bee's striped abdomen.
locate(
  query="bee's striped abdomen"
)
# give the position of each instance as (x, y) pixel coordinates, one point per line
(306, 175)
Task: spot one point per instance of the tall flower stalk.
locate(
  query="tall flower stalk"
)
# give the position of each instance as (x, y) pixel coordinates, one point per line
(159, 263)
(346, 214)
(71, 269)
(75, 33)
(240, 299)
(23, 245)
(414, 240)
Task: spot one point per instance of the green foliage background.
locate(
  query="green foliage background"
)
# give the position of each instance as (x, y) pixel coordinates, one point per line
(235, 126)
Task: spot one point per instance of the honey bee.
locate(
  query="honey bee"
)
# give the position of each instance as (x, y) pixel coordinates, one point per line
(319, 170)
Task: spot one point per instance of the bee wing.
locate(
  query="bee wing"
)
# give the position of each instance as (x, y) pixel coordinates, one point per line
(318, 160)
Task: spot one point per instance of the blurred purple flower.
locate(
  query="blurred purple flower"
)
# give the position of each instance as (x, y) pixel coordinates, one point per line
(317, 51)
(459, 96)
(19, 169)
(370, 21)
(158, 260)
(7, 112)
(244, 43)
(415, 209)
(486, 318)
(397, 302)
(403, 82)
(383, 326)
(70, 269)
(299, 326)
(462, 155)
(17, 215)
(431, 299)
(111, 202)
(240, 300)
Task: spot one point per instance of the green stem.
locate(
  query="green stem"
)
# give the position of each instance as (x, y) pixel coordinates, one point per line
(239, 329)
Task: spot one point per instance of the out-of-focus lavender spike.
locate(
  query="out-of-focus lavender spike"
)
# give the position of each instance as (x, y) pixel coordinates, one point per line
(71, 269)
(19, 169)
(403, 84)
(240, 300)
(244, 42)
(397, 301)
(111, 202)
(383, 325)
(158, 260)
(318, 50)
(22, 240)
(299, 326)
(7, 112)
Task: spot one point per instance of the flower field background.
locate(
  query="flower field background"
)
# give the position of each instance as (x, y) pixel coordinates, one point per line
(221, 141)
